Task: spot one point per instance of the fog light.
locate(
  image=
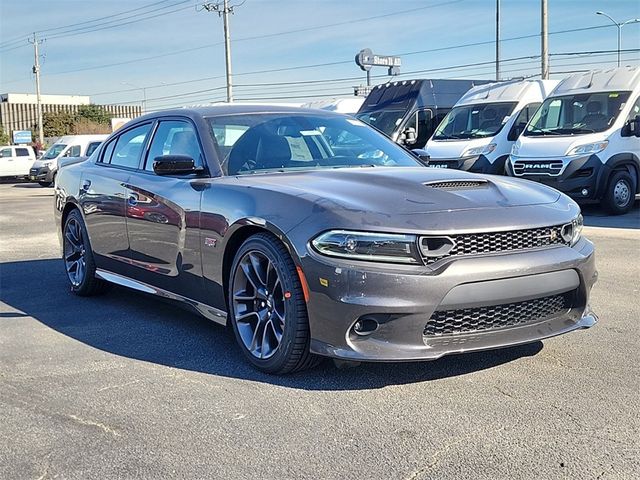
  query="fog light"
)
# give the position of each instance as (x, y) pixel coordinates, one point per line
(365, 326)
(584, 192)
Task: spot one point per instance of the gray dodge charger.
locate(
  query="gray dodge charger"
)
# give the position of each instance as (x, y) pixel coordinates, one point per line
(313, 235)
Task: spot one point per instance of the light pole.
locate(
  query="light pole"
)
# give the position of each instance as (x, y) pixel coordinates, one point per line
(144, 95)
(619, 25)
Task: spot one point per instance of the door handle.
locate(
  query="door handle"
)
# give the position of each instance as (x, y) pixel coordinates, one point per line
(85, 185)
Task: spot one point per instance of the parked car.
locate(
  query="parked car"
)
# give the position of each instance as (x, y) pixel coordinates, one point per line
(44, 170)
(16, 160)
(478, 133)
(310, 248)
(409, 111)
(585, 139)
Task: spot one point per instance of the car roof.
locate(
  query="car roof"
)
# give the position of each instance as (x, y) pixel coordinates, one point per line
(235, 109)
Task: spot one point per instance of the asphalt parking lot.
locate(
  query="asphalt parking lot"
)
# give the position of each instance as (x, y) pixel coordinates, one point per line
(124, 386)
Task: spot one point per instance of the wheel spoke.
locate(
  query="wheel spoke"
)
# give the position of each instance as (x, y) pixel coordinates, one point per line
(249, 273)
(243, 296)
(257, 268)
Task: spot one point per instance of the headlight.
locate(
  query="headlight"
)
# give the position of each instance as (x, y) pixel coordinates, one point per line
(47, 164)
(373, 247)
(588, 148)
(571, 232)
(483, 150)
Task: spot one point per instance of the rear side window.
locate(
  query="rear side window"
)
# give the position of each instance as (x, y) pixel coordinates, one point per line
(128, 147)
(22, 152)
(174, 137)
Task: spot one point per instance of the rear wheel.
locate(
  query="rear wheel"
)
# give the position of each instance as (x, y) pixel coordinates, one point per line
(620, 194)
(78, 257)
(267, 309)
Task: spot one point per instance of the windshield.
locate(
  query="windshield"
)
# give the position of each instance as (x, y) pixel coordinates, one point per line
(474, 121)
(254, 143)
(384, 120)
(54, 151)
(577, 114)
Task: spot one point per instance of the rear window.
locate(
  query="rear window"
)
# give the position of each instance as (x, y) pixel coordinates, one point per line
(22, 152)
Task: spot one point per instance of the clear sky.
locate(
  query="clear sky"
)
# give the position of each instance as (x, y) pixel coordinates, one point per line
(171, 42)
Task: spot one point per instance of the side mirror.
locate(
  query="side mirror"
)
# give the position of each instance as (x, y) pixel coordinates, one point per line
(408, 136)
(422, 155)
(631, 128)
(174, 165)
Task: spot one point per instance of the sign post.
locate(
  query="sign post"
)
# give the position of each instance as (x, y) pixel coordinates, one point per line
(366, 59)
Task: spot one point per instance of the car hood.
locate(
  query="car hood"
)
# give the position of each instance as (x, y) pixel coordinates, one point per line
(403, 191)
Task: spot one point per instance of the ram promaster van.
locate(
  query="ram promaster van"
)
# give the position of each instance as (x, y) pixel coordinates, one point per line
(409, 111)
(44, 170)
(478, 133)
(585, 139)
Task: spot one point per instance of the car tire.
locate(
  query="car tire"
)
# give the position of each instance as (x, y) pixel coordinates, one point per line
(78, 258)
(45, 184)
(620, 194)
(267, 308)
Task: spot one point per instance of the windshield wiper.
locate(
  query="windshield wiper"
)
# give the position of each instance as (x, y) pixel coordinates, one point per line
(542, 130)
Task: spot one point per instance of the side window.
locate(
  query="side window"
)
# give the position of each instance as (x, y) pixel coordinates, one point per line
(5, 153)
(22, 152)
(635, 110)
(174, 137)
(92, 148)
(521, 122)
(74, 151)
(129, 145)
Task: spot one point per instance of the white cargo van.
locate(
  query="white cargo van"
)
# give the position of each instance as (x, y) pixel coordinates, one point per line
(478, 133)
(44, 170)
(346, 105)
(585, 139)
(15, 161)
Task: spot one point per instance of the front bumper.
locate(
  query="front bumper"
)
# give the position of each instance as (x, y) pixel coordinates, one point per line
(581, 178)
(403, 299)
(41, 174)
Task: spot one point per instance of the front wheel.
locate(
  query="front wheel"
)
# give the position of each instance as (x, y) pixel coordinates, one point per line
(78, 257)
(620, 194)
(267, 308)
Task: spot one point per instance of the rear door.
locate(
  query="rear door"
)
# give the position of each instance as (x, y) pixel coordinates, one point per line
(102, 197)
(163, 214)
(23, 160)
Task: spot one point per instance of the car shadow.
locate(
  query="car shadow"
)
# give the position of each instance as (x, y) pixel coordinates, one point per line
(134, 325)
(595, 216)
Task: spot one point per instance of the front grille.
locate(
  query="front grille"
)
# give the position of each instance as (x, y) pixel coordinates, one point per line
(443, 163)
(537, 167)
(496, 242)
(467, 320)
(457, 184)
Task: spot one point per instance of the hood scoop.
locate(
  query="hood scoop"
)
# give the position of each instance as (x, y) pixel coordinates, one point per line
(457, 184)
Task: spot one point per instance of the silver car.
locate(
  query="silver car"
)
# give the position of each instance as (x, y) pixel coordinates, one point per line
(311, 235)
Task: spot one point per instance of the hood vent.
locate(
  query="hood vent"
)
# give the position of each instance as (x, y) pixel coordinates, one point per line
(457, 184)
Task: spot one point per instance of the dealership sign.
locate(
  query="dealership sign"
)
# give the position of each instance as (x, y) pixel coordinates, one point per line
(366, 59)
(21, 136)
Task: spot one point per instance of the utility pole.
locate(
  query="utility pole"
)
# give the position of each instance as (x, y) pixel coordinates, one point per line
(544, 54)
(36, 71)
(497, 40)
(223, 10)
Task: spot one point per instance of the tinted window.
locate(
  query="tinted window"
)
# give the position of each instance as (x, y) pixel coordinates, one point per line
(92, 148)
(288, 142)
(521, 122)
(22, 152)
(174, 137)
(129, 145)
(6, 152)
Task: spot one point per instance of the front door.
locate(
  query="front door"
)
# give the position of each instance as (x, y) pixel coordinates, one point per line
(7, 167)
(163, 215)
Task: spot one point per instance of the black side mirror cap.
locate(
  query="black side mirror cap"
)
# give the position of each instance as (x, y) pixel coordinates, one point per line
(175, 165)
